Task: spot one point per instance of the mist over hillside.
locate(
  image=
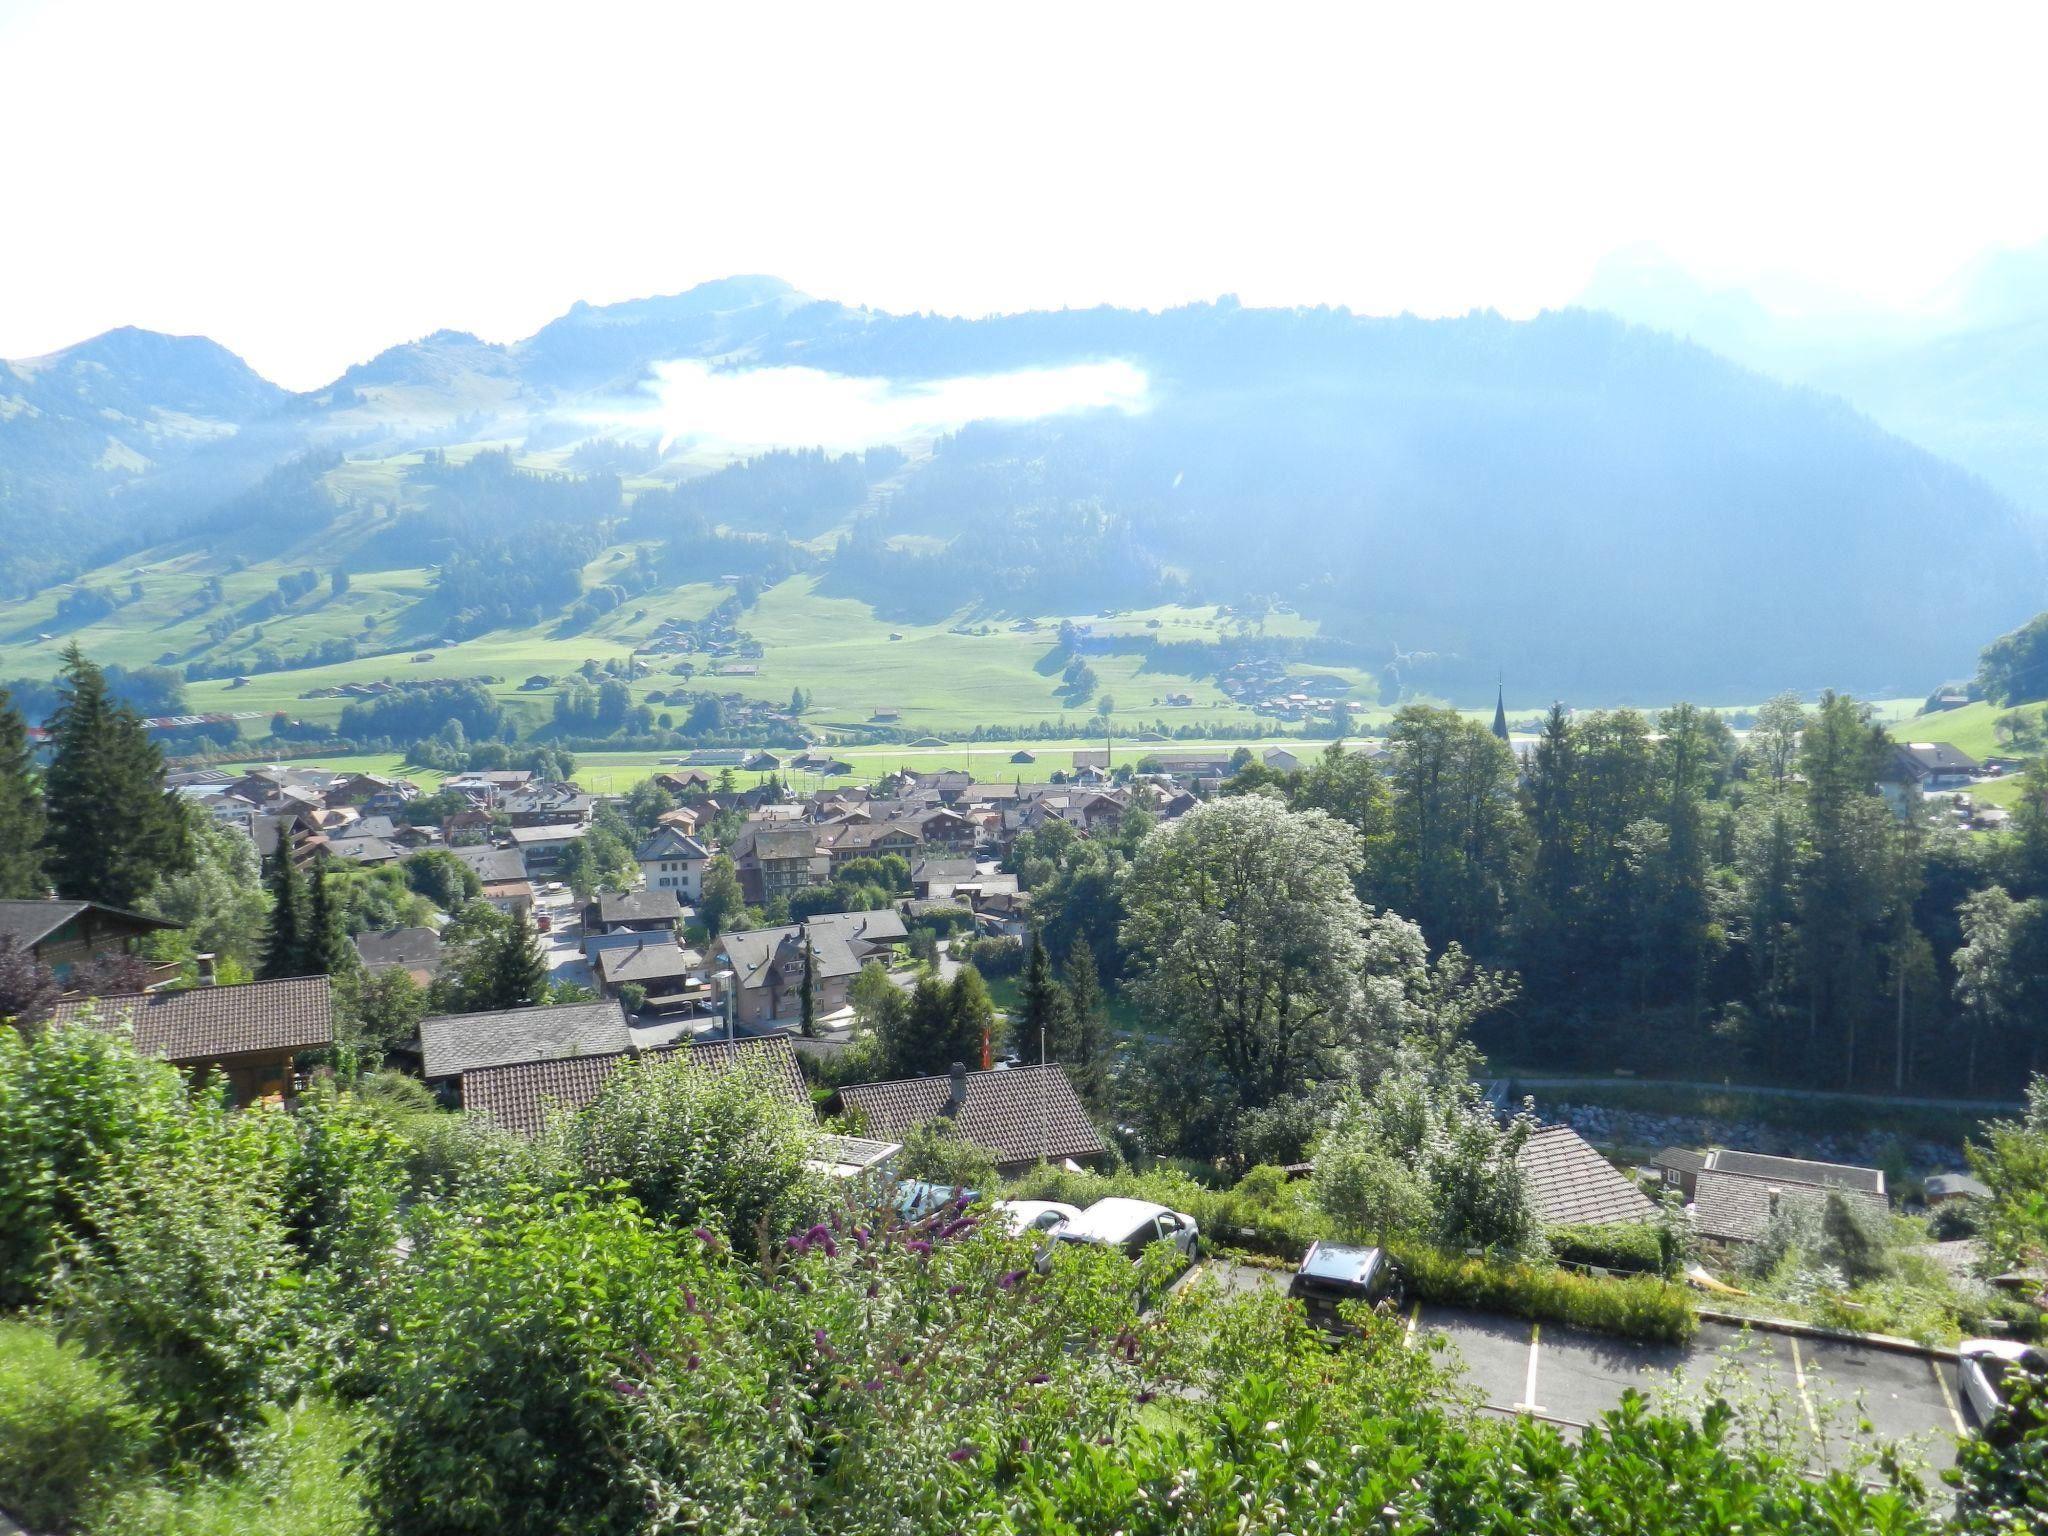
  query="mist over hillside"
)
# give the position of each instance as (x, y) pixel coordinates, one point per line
(1602, 511)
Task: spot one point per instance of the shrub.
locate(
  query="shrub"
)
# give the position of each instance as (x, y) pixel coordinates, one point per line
(944, 921)
(992, 956)
(1639, 1307)
(936, 1156)
(69, 1431)
(1633, 1247)
(298, 1477)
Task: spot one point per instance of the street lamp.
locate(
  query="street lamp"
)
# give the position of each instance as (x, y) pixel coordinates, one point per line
(724, 980)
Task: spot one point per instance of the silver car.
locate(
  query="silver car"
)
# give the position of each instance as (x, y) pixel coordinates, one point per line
(1983, 1367)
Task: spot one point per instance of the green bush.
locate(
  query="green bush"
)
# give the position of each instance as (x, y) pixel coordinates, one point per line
(1632, 1247)
(298, 1477)
(1639, 1307)
(69, 1431)
(1264, 1212)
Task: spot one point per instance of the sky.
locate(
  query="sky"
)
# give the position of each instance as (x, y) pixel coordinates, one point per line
(309, 183)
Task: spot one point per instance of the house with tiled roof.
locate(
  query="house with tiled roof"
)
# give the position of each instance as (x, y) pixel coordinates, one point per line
(1020, 1117)
(503, 873)
(768, 963)
(519, 1096)
(63, 934)
(671, 859)
(1571, 1185)
(1735, 1195)
(454, 1043)
(248, 1034)
(633, 912)
(416, 951)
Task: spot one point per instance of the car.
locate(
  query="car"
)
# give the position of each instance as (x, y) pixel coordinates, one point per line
(1333, 1273)
(918, 1199)
(1024, 1217)
(1982, 1369)
(1133, 1226)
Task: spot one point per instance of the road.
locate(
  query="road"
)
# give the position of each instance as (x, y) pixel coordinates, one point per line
(1832, 1393)
(1875, 1100)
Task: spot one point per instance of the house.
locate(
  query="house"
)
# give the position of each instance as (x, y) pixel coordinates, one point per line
(691, 781)
(670, 977)
(416, 951)
(1280, 760)
(1735, 1195)
(944, 828)
(365, 852)
(1023, 757)
(685, 819)
(1943, 1188)
(249, 1034)
(633, 912)
(860, 840)
(1570, 1184)
(1021, 1117)
(934, 879)
(63, 934)
(454, 1043)
(503, 873)
(540, 805)
(1916, 767)
(540, 846)
(779, 861)
(518, 1097)
(762, 762)
(672, 860)
(768, 963)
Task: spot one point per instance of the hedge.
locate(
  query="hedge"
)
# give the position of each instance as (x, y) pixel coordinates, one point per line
(1639, 1307)
(69, 1431)
(1267, 1214)
(1631, 1247)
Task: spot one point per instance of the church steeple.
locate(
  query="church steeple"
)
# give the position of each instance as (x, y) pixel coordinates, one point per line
(1500, 713)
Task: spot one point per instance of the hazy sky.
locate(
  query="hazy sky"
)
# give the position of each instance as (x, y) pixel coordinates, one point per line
(310, 183)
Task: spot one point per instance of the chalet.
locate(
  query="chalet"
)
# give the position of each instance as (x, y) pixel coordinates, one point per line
(248, 1035)
(416, 951)
(651, 912)
(542, 805)
(934, 879)
(866, 841)
(768, 963)
(779, 861)
(1020, 1118)
(519, 1096)
(673, 861)
(689, 782)
(454, 1043)
(503, 873)
(540, 847)
(1917, 767)
(684, 818)
(670, 977)
(365, 852)
(62, 934)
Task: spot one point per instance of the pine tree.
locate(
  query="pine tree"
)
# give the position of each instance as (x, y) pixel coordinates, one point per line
(970, 1019)
(1087, 1059)
(284, 947)
(113, 830)
(323, 949)
(21, 810)
(519, 978)
(1045, 1025)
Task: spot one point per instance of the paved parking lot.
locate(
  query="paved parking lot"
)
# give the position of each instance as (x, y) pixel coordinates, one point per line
(1831, 1392)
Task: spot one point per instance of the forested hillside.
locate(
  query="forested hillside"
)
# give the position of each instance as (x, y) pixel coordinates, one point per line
(1605, 511)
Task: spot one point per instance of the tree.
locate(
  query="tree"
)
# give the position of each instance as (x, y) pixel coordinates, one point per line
(1773, 746)
(807, 992)
(1086, 1057)
(21, 810)
(519, 972)
(325, 952)
(113, 830)
(378, 1012)
(442, 878)
(721, 907)
(1042, 1027)
(1453, 830)
(28, 990)
(970, 1019)
(284, 949)
(219, 903)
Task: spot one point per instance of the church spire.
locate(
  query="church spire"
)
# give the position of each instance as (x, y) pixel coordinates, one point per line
(1500, 713)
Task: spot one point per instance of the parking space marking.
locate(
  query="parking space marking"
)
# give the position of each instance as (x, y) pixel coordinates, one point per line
(1528, 1404)
(1799, 1382)
(1948, 1398)
(1414, 1319)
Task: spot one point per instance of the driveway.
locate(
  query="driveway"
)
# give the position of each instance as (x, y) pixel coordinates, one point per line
(1830, 1392)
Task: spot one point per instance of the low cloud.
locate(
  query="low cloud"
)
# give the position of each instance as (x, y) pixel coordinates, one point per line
(700, 408)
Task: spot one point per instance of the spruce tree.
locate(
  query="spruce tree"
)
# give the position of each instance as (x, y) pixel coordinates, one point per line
(970, 1019)
(323, 950)
(519, 979)
(21, 810)
(1045, 1024)
(1086, 1057)
(284, 947)
(113, 829)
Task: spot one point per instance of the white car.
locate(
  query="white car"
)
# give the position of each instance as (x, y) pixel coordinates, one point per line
(1024, 1217)
(1982, 1366)
(1133, 1226)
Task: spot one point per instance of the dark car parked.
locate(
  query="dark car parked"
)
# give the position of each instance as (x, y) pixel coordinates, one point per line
(1332, 1273)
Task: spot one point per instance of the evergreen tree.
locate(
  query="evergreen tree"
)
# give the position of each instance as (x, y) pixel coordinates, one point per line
(970, 1020)
(807, 995)
(284, 949)
(722, 907)
(1087, 1060)
(113, 830)
(519, 976)
(1044, 1026)
(21, 810)
(922, 1040)
(323, 950)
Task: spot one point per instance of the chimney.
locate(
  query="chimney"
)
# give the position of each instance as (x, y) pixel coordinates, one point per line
(207, 976)
(956, 1100)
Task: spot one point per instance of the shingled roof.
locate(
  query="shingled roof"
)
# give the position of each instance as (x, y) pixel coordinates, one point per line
(1736, 1208)
(28, 923)
(517, 1097)
(1570, 1184)
(454, 1043)
(1018, 1117)
(213, 1023)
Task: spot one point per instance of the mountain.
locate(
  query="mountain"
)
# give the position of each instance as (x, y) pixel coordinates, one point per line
(1965, 375)
(1601, 510)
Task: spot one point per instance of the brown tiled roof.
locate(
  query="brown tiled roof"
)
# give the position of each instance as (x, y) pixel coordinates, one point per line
(1018, 1116)
(1570, 1184)
(1735, 1207)
(209, 1023)
(518, 1097)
